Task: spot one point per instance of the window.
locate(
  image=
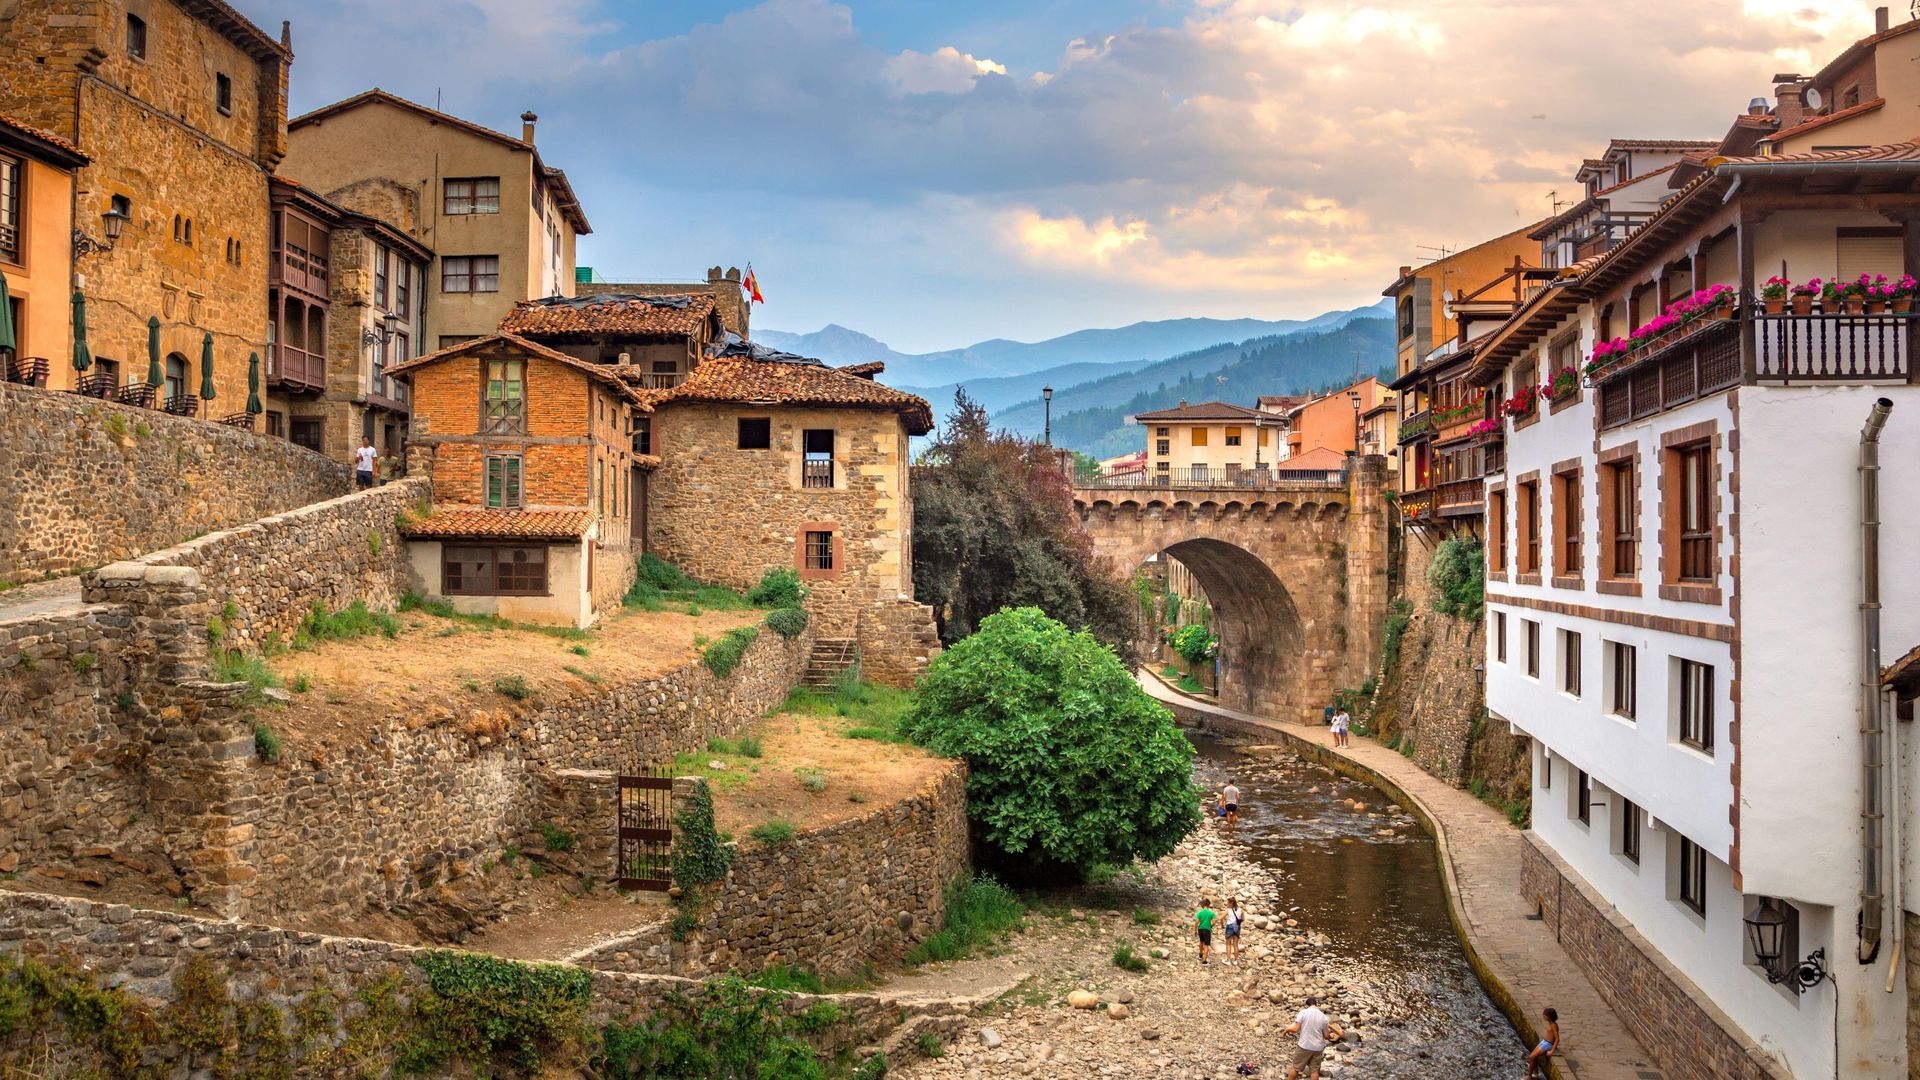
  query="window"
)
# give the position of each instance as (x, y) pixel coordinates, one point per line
(380, 258)
(472, 195)
(1630, 831)
(1693, 876)
(503, 481)
(1530, 527)
(307, 433)
(1199, 471)
(1620, 514)
(1500, 637)
(642, 435)
(1567, 524)
(1546, 769)
(470, 274)
(504, 409)
(136, 37)
(1532, 630)
(1497, 531)
(1164, 466)
(10, 174)
(756, 433)
(1695, 465)
(819, 550)
(1406, 316)
(402, 288)
(469, 570)
(1696, 705)
(816, 459)
(1199, 436)
(277, 424)
(1625, 662)
(1583, 797)
(1570, 662)
(1161, 447)
(1233, 436)
(223, 94)
(1160, 431)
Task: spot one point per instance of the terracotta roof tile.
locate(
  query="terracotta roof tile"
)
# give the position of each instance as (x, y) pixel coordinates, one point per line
(600, 372)
(611, 313)
(1819, 122)
(867, 370)
(500, 525)
(1318, 459)
(42, 135)
(1206, 410)
(1902, 151)
(779, 382)
(1662, 144)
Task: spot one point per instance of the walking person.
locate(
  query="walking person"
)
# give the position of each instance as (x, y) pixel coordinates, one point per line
(1537, 1060)
(1203, 919)
(1314, 1032)
(363, 459)
(1230, 921)
(1341, 722)
(1230, 798)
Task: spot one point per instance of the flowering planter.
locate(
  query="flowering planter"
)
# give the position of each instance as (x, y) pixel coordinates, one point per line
(1803, 304)
(1776, 304)
(1902, 305)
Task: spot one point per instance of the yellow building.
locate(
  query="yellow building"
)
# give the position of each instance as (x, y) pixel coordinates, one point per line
(1863, 97)
(1212, 442)
(1421, 295)
(36, 248)
(501, 223)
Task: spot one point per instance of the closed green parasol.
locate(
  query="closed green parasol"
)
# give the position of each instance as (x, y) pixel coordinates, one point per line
(254, 407)
(7, 340)
(154, 375)
(82, 359)
(206, 367)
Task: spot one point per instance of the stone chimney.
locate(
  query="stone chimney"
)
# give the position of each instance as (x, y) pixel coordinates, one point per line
(1881, 20)
(1183, 403)
(1789, 102)
(526, 125)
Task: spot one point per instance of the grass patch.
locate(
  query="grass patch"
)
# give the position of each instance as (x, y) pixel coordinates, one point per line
(775, 833)
(232, 665)
(1144, 917)
(555, 837)
(980, 911)
(444, 609)
(1126, 959)
(577, 672)
(694, 763)
(812, 779)
(1189, 684)
(797, 980)
(1169, 672)
(658, 585)
(266, 745)
(356, 620)
(513, 686)
(302, 682)
(931, 1046)
(879, 710)
(724, 655)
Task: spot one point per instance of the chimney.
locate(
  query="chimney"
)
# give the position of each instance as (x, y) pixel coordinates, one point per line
(286, 35)
(1789, 105)
(1757, 107)
(526, 125)
(1880, 20)
(626, 358)
(1183, 403)
(1405, 270)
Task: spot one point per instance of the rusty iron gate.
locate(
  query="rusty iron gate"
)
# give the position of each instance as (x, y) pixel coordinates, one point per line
(644, 852)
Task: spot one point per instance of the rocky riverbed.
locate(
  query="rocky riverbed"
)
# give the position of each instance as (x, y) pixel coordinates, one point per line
(1403, 1005)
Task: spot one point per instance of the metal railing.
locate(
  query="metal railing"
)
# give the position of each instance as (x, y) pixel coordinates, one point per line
(1834, 346)
(1218, 479)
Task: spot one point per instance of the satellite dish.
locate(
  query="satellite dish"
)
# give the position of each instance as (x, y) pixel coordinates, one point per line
(1814, 100)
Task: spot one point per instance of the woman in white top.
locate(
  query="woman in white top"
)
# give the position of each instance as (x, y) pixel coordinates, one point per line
(1230, 920)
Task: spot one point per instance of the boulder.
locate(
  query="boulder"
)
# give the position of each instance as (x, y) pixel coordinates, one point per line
(990, 1038)
(1117, 1011)
(1083, 999)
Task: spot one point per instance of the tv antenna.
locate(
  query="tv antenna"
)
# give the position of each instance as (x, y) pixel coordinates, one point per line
(1554, 196)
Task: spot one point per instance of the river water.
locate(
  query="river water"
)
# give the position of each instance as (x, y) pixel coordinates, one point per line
(1379, 901)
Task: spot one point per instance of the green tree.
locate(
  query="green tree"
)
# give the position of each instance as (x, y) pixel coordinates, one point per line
(1458, 577)
(1070, 765)
(994, 527)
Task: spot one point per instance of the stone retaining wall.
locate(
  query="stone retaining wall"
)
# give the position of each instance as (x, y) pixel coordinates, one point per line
(90, 482)
(897, 641)
(146, 950)
(1686, 1034)
(858, 892)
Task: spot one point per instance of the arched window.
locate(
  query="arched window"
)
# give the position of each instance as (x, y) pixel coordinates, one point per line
(177, 220)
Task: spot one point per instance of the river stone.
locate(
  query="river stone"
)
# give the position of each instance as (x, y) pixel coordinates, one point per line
(1117, 1011)
(990, 1038)
(1083, 999)
(1125, 997)
(1149, 1034)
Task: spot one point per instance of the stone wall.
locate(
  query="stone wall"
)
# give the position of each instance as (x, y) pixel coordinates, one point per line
(147, 950)
(858, 892)
(264, 577)
(1685, 1032)
(897, 641)
(94, 481)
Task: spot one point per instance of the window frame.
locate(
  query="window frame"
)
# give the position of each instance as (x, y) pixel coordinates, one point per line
(380, 267)
(470, 271)
(1624, 686)
(13, 208)
(1497, 531)
(1693, 711)
(1630, 846)
(1570, 662)
(512, 470)
(507, 414)
(818, 546)
(1583, 797)
(136, 37)
(1693, 531)
(812, 475)
(1529, 546)
(1691, 885)
(468, 191)
(1621, 524)
(1569, 556)
(495, 561)
(1530, 629)
(223, 93)
(762, 438)
(1500, 637)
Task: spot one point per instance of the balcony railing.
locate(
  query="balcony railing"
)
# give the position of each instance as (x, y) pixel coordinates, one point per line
(816, 473)
(31, 370)
(1417, 426)
(1453, 496)
(1860, 348)
(298, 368)
(1416, 504)
(657, 380)
(299, 269)
(1216, 479)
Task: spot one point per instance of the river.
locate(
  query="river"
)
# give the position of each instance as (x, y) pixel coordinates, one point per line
(1379, 901)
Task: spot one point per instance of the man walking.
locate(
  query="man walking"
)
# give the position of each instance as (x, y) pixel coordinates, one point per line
(1230, 798)
(363, 459)
(1314, 1031)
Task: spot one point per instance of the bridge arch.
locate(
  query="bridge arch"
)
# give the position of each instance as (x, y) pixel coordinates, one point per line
(1263, 643)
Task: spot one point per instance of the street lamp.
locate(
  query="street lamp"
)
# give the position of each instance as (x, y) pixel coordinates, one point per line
(389, 326)
(1767, 935)
(111, 222)
(1354, 396)
(1046, 397)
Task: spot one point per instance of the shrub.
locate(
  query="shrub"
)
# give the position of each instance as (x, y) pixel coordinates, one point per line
(661, 574)
(724, 655)
(1458, 577)
(513, 686)
(788, 977)
(779, 587)
(732, 1031)
(1069, 762)
(1145, 917)
(1196, 643)
(787, 622)
(749, 746)
(775, 833)
(1126, 959)
(266, 744)
(555, 837)
(484, 1011)
(413, 601)
(1399, 616)
(355, 620)
(302, 682)
(812, 779)
(979, 911)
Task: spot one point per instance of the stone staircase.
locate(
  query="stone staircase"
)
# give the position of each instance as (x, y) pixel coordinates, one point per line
(830, 660)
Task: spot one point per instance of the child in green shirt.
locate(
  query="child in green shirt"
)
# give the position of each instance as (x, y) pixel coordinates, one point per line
(1204, 920)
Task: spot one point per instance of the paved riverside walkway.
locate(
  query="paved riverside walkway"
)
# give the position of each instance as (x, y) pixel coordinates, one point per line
(1524, 968)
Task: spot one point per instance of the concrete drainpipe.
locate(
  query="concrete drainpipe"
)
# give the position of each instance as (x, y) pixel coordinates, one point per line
(1873, 726)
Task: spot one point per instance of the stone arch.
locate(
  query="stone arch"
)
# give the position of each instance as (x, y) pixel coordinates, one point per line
(1263, 643)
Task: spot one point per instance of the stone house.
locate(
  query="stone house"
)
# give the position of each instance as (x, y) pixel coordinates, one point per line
(346, 289)
(736, 313)
(533, 478)
(36, 248)
(500, 222)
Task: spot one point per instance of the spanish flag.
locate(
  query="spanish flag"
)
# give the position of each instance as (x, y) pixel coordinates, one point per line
(751, 286)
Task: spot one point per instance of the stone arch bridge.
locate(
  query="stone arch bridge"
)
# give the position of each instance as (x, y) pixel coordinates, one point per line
(1296, 570)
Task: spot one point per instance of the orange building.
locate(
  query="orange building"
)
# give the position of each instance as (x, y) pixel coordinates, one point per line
(36, 250)
(1332, 420)
(533, 476)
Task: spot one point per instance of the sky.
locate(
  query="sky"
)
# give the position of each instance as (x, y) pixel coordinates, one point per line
(938, 173)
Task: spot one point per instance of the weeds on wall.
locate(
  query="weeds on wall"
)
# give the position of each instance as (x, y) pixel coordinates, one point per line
(724, 655)
(1458, 577)
(1399, 617)
(980, 911)
(731, 1031)
(788, 622)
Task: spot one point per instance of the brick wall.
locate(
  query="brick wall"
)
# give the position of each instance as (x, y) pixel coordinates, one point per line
(861, 891)
(92, 481)
(1686, 1034)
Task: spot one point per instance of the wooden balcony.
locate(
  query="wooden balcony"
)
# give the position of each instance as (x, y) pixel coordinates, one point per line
(294, 268)
(657, 380)
(816, 473)
(1417, 426)
(1454, 497)
(1832, 348)
(296, 370)
(1416, 505)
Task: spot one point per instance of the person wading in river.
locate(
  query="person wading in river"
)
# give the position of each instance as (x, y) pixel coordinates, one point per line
(1203, 919)
(1230, 798)
(1315, 1032)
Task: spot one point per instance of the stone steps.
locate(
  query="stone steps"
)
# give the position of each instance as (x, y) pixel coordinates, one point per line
(830, 659)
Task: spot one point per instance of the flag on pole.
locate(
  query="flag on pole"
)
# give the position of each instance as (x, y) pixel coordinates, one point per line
(751, 286)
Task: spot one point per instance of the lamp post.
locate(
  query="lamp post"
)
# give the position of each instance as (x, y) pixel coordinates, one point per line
(1354, 396)
(1046, 397)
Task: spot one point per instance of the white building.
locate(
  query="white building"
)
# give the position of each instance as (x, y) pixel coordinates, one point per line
(1675, 578)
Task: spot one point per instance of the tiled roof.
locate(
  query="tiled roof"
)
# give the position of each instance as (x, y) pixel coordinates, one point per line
(777, 382)
(1902, 151)
(500, 524)
(599, 372)
(1318, 459)
(1819, 122)
(867, 370)
(237, 28)
(1662, 144)
(1206, 410)
(611, 313)
(44, 136)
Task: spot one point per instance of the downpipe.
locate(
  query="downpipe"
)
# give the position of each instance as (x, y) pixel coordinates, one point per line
(1873, 726)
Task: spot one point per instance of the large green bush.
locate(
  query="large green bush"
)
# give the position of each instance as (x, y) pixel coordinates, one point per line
(780, 587)
(1070, 764)
(1196, 643)
(1458, 577)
